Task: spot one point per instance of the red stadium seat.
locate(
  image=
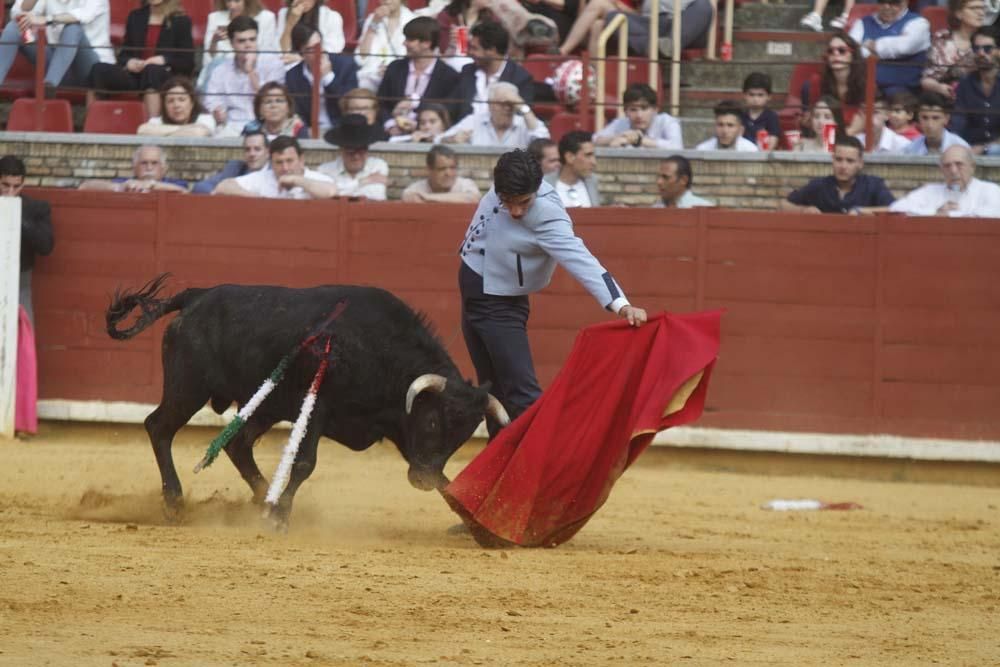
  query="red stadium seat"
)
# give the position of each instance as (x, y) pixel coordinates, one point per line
(564, 122)
(119, 16)
(114, 117)
(937, 17)
(199, 10)
(57, 116)
(858, 12)
(790, 115)
(542, 66)
(20, 79)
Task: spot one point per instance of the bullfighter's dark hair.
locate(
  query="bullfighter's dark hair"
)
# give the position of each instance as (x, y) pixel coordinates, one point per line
(517, 173)
(11, 165)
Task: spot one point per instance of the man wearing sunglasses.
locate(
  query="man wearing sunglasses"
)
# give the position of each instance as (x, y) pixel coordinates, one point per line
(978, 97)
(900, 38)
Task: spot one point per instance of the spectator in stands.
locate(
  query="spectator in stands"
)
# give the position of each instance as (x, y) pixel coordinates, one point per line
(36, 239)
(575, 182)
(961, 194)
(674, 182)
(696, 17)
(590, 22)
(158, 45)
(459, 13)
(488, 43)
(443, 184)
(814, 19)
(826, 111)
(182, 113)
(903, 108)
(847, 190)
(509, 122)
(432, 121)
(885, 140)
(951, 56)
(231, 88)
(313, 14)
(978, 98)
(274, 113)
(218, 48)
(547, 153)
(363, 101)
(381, 41)
(80, 29)
(934, 114)
(757, 117)
(288, 177)
(843, 78)
(355, 172)
(255, 157)
(149, 174)
(338, 74)
(900, 38)
(642, 126)
(728, 130)
(417, 77)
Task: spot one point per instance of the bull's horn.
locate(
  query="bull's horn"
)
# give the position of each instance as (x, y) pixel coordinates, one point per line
(431, 381)
(495, 409)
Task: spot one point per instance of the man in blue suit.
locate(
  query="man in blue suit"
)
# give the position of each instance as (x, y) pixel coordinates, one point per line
(339, 74)
(517, 236)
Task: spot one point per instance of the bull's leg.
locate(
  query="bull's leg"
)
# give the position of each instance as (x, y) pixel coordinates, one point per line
(240, 451)
(305, 463)
(162, 425)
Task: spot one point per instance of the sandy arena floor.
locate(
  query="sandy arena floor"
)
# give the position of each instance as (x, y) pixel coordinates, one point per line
(680, 567)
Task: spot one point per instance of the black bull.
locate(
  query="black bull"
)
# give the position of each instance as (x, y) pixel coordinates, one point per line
(389, 376)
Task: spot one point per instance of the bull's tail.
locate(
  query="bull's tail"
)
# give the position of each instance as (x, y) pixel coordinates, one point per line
(145, 299)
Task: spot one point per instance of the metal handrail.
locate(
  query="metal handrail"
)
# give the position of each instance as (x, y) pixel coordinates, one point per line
(618, 24)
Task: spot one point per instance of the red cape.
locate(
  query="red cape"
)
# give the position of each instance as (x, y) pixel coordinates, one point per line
(542, 478)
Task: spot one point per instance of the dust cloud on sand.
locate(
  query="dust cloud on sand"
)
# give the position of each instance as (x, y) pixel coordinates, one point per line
(681, 566)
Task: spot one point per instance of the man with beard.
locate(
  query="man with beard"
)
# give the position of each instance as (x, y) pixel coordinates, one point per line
(847, 190)
(978, 98)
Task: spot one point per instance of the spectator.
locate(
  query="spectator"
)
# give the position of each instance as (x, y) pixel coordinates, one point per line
(313, 14)
(36, 239)
(547, 153)
(509, 122)
(951, 57)
(182, 113)
(432, 121)
(728, 130)
(979, 98)
(488, 43)
(847, 190)
(459, 13)
(934, 114)
(590, 22)
(576, 182)
(885, 140)
(843, 78)
(80, 29)
(274, 113)
(356, 173)
(255, 157)
(900, 38)
(157, 45)
(288, 177)
(381, 41)
(961, 194)
(443, 184)
(757, 117)
(338, 74)
(674, 182)
(149, 174)
(417, 77)
(233, 84)
(696, 17)
(903, 114)
(814, 19)
(218, 48)
(826, 111)
(642, 126)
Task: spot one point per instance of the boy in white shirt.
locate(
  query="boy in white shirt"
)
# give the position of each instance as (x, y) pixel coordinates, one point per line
(728, 130)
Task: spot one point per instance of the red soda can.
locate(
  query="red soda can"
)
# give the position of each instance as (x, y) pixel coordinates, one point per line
(28, 35)
(461, 40)
(726, 51)
(762, 136)
(829, 136)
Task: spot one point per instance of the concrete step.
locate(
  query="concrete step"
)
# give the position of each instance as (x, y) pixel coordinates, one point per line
(772, 16)
(718, 74)
(778, 45)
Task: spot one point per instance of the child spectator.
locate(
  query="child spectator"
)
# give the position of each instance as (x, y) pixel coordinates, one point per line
(903, 114)
(432, 121)
(728, 130)
(757, 117)
(884, 139)
(934, 115)
(826, 111)
(642, 126)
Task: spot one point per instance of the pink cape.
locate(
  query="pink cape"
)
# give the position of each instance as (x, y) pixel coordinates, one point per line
(26, 391)
(542, 478)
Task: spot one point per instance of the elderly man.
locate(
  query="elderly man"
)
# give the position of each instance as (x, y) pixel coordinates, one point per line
(847, 190)
(961, 194)
(288, 177)
(576, 182)
(149, 174)
(255, 157)
(355, 172)
(233, 84)
(674, 182)
(443, 184)
(509, 122)
(900, 38)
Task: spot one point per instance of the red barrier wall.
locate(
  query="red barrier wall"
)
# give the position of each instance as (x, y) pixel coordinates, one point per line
(834, 324)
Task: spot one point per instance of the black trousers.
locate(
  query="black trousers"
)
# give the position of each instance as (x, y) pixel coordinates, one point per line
(496, 334)
(106, 76)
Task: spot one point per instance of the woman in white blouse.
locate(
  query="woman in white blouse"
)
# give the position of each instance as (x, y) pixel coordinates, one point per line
(381, 41)
(182, 113)
(217, 46)
(328, 22)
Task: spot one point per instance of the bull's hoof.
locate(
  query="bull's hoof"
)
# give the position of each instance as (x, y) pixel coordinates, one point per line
(275, 518)
(173, 510)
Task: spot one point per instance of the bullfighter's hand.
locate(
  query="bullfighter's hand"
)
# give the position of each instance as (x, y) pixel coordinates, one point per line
(635, 316)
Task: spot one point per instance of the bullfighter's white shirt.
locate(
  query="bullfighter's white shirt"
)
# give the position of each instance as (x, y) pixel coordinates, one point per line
(979, 200)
